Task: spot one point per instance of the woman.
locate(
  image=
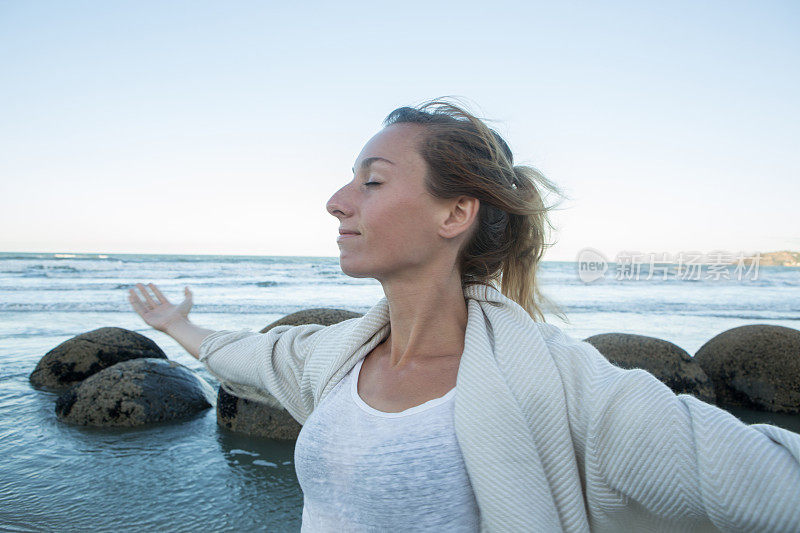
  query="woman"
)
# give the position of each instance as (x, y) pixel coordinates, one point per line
(449, 406)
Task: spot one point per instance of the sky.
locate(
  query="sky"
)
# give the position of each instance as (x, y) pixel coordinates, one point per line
(224, 127)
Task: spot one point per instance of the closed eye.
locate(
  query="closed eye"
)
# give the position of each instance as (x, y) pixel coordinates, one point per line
(372, 183)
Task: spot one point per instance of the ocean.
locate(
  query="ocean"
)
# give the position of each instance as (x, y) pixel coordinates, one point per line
(191, 475)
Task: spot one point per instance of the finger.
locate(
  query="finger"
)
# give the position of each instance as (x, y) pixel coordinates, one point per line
(147, 297)
(135, 302)
(157, 292)
(133, 297)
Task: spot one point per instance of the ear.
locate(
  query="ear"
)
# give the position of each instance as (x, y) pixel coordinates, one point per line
(459, 217)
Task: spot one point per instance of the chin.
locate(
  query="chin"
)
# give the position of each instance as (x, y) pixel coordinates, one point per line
(353, 271)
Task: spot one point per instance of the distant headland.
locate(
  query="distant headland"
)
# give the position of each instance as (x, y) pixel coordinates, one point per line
(782, 258)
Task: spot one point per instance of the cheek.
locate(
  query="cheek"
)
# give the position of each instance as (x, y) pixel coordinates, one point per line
(406, 222)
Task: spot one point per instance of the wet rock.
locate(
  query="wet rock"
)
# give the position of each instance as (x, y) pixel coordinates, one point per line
(320, 315)
(755, 366)
(77, 358)
(670, 363)
(255, 418)
(261, 419)
(135, 393)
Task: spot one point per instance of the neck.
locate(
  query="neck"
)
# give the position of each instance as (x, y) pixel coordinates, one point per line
(428, 318)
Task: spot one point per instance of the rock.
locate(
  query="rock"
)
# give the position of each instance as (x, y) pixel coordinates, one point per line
(255, 418)
(77, 358)
(670, 363)
(319, 315)
(134, 393)
(755, 366)
(261, 419)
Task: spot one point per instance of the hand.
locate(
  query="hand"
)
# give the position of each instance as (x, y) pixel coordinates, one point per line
(159, 313)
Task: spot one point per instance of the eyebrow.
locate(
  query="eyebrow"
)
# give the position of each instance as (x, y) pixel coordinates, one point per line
(365, 164)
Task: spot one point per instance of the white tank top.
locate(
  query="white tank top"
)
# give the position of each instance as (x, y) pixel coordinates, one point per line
(362, 469)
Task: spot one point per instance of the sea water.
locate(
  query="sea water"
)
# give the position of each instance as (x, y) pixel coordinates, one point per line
(193, 475)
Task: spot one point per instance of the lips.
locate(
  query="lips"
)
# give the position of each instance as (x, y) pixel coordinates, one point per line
(345, 234)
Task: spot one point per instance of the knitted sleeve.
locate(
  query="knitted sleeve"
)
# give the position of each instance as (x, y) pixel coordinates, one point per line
(264, 367)
(679, 461)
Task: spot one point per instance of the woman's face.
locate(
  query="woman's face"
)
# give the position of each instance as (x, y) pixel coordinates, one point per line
(397, 220)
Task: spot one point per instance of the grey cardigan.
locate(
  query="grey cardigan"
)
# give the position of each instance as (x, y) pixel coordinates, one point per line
(554, 437)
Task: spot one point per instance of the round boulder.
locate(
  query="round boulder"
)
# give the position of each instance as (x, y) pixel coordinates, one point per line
(319, 315)
(255, 418)
(135, 393)
(755, 366)
(77, 358)
(261, 419)
(670, 363)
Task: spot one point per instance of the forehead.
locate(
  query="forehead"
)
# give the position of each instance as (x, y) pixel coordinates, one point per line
(397, 143)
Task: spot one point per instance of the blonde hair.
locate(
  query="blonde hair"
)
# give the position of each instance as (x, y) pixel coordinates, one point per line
(466, 157)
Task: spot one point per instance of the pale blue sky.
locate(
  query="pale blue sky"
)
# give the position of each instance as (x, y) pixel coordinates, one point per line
(224, 127)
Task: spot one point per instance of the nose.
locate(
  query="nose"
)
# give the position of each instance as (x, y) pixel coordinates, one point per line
(335, 205)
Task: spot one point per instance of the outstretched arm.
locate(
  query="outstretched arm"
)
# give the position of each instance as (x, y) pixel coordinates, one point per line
(685, 459)
(673, 459)
(188, 335)
(264, 367)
